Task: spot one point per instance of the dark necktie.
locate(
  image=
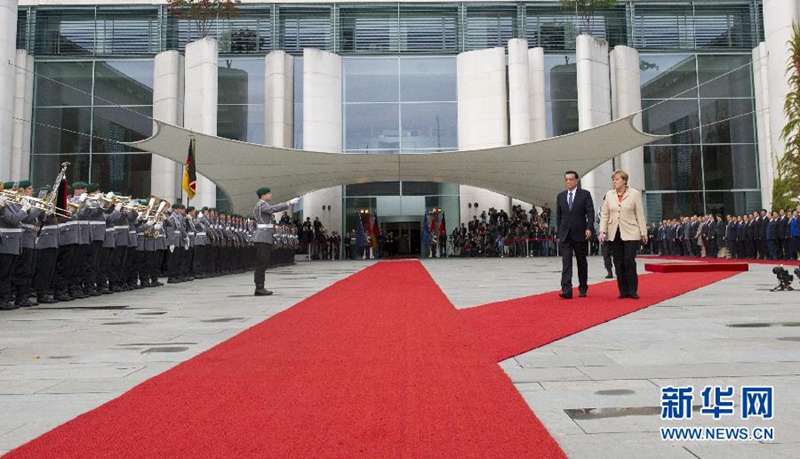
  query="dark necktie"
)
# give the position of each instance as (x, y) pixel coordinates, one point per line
(569, 201)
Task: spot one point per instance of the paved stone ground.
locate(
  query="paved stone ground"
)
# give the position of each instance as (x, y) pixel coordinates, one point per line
(597, 392)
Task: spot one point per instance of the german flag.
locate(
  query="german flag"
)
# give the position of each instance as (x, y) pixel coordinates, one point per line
(189, 184)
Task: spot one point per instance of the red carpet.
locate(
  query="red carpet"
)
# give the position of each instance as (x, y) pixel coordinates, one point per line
(693, 267)
(510, 328)
(378, 365)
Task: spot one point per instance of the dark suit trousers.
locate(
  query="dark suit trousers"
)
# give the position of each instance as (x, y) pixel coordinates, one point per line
(580, 249)
(263, 254)
(624, 253)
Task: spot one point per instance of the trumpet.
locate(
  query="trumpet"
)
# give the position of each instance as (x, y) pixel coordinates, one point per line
(133, 206)
(35, 203)
(110, 199)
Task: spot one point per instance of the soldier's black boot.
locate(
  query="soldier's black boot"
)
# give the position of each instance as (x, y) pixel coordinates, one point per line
(44, 298)
(6, 305)
(261, 291)
(609, 275)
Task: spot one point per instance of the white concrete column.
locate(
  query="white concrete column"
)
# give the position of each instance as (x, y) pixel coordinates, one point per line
(482, 118)
(8, 55)
(767, 158)
(322, 127)
(200, 106)
(23, 112)
(778, 17)
(594, 105)
(168, 81)
(279, 103)
(536, 86)
(626, 98)
(519, 110)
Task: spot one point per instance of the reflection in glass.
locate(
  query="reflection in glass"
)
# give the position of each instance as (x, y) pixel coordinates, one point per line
(45, 168)
(123, 83)
(372, 189)
(241, 122)
(62, 130)
(128, 174)
(733, 202)
(120, 124)
(64, 83)
(372, 128)
(428, 79)
(727, 120)
(735, 84)
(672, 167)
(429, 127)
(730, 167)
(675, 118)
(672, 205)
(241, 81)
(561, 93)
(664, 76)
(371, 80)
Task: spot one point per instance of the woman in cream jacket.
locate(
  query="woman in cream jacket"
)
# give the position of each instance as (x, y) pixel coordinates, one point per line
(622, 222)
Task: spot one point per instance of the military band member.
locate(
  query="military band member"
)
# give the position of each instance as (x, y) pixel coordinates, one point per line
(11, 215)
(46, 256)
(25, 265)
(177, 241)
(263, 238)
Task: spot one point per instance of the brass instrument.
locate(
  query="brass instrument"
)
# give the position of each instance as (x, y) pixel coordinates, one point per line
(110, 199)
(36, 203)
(51, 198)
(133, 206)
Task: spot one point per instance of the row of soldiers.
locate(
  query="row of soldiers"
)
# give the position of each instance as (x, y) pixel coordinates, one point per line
(102, 244)
(760, 235)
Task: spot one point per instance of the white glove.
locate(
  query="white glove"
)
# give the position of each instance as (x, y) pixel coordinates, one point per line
(26, 207)
(171, 248)
(187, 243)
(3, 201)
(293, 201)
(158, 226)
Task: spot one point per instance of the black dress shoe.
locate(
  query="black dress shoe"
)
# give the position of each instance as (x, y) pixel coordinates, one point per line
(566, 295)
(609, 275)
(24, 303)
(622, 296)
(582, 294)
(45, 299)
(633, 296)
(262, 292)
(174, 280)
(6, 306)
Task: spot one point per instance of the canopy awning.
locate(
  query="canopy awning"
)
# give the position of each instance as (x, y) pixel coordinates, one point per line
(532, 172)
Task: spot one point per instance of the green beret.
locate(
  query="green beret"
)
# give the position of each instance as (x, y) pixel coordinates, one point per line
(25, 184)
(92, 187)
(205, 208)
(8, 185)
(45, 188)
(262, 191)
(78, 185)
(190, 208)
(178, 205)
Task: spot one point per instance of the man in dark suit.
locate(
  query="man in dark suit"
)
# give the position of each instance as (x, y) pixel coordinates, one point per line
(575, 215)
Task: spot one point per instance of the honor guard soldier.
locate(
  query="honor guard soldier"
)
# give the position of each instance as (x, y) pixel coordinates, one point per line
(46, 255)
(178, 242)
(264, 235)
(26, 263)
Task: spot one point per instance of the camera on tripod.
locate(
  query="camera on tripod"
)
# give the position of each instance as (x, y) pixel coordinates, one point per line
(784, 278)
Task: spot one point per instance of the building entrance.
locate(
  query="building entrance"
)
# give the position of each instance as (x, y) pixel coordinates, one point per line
(402, 238)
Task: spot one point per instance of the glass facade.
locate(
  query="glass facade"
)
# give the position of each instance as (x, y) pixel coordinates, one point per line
(94, 83)
(83, 109)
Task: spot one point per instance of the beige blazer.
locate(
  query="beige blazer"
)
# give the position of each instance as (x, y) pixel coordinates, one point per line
(627, 215)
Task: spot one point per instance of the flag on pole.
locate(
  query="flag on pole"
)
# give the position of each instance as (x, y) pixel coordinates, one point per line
(374, 230)
(442, 227)
(189, 184)
(426, 235)
(433, 224)
(361, 240)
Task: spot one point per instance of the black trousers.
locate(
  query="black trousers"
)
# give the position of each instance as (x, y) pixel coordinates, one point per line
(94, 253)
(104, 270)
(175, 262)
(24, 268)
(263, 254)
(65, 267)
(6, 271)
(581, 250)
(605, 249)
(624, 254)
(45, 269)
(198, 261)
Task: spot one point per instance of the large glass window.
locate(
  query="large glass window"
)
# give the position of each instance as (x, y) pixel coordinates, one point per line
(400, 104)
(561, 94)
(703, 104)
(240, 96)
(83, 111)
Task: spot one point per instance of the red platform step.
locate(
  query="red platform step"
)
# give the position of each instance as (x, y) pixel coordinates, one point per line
(695, 267)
